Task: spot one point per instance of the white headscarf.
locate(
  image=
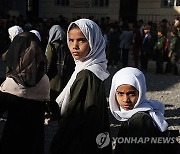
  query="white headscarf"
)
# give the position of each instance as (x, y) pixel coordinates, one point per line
(135, 78)
(56, 33)
(95, 61)
(14, 30)
(36, 33)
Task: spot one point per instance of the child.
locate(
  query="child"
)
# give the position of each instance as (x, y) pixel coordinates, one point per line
(141, 119)
(84, 112)
(146, 48)
(60, 66)
(174, 48)
(24, 94)
(159, 50)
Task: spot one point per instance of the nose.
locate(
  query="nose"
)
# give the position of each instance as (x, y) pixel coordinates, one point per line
(75, 45)
(126, 98)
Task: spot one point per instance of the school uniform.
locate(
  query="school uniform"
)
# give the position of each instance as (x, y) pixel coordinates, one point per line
(82, 102)
(145, 120)
(86, 117)
(146, 51)
(24, 95)
(159, 54)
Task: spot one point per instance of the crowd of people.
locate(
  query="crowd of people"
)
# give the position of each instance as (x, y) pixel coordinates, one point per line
(145, 41)
(58, 69)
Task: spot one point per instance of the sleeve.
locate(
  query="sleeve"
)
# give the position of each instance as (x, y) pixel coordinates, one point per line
(173, 45)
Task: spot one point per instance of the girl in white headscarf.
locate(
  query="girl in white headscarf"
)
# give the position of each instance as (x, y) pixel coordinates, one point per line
(13, 31)
(36, 33)
(83, 104)
(139, 117)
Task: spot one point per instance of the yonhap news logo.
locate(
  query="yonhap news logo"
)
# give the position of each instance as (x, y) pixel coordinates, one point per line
(103, 140)
(144, 140)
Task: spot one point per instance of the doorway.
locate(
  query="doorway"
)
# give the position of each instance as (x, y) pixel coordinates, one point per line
(128, 10)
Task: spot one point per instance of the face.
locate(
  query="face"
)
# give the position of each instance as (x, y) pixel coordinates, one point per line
(127, 96)
(159, 34)
(146, 31)
(78, 44)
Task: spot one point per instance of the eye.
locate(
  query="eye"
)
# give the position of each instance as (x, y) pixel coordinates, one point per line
(132, 94)
(70, 40)
(83, 40)
(119, 93)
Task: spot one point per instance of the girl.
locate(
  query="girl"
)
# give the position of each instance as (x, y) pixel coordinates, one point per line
(140, 118)
(60, 66)
(24, 94)
(84, 112)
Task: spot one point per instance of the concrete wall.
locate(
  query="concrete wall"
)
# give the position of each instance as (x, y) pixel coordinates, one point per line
(152, 10)
(78, 7)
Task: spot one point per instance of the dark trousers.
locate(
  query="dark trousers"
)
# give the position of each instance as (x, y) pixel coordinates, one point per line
(159, 63)
(125, 57)
(144, 58)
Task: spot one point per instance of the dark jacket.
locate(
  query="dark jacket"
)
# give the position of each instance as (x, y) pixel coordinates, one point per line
(143, 130)
(86, 117)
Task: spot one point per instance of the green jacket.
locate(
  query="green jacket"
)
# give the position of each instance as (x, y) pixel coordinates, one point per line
(175, 46)
(160, 44)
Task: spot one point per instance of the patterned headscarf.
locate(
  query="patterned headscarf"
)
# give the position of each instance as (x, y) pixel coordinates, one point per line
(25, 59)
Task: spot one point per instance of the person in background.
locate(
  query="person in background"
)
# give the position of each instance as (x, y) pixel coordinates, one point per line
(24, 95)
(83, 104)
(146, 48)
(2, 50)
(173, 54)
(141, 119)
(113, 40)
(159, 50)
(137, 40)
(36, 33)
(60, 66)
(13, 31)
(126, 40)
(178, 29)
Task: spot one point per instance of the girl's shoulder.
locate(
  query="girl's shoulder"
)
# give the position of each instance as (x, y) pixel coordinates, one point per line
(88, 78)
(142, 119)
(87, 74)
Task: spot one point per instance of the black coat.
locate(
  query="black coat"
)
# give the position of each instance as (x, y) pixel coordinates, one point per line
(144, 134)
(86, 117)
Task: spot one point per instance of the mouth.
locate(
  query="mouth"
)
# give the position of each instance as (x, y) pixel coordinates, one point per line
(75, 53)
(128, 107)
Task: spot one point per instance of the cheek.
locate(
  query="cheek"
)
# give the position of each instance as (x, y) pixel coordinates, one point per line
(134, 100)
(86, 50)
(119, 100)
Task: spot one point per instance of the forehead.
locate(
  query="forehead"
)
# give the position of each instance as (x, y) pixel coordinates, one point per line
(126, 87)
(75, 32)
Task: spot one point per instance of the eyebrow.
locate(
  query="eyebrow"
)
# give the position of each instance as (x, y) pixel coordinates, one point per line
(132, 91)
